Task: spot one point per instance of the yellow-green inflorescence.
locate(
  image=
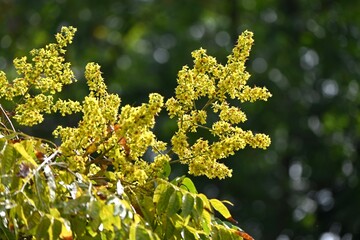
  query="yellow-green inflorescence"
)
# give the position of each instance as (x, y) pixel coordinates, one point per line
(110, 134)
(40, 80)
(216, 83)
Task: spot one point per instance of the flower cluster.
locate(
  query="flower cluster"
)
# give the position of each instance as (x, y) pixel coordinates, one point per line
(39, 80)
(110, 134)
(215, 83)
(120, 139)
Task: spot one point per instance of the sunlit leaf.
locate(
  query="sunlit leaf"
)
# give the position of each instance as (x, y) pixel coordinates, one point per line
(206, 222)
(222, 209)
(205, 200)
(107, 216)
(8, 159)
(189, 233)
(161, 197)
(3, 143)
(20, 149)
(147, 208)
(227, 202)
(188, 185)
(21, 214)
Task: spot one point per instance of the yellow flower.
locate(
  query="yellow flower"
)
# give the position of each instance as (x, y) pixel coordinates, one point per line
(209, 85)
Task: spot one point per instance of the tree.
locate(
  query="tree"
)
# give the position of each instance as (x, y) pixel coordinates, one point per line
(308, 178)
(109, 176)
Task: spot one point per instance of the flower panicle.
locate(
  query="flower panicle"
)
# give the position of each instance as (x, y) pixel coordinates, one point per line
(210, 86)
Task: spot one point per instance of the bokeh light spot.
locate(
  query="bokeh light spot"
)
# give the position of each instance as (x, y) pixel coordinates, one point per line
(330, 88)
(222, 38)
(197, 31)
(259, 65)
(161, 55)
(309, 59)
(5, 41)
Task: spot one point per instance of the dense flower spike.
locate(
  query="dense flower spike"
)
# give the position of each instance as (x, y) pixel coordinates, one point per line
(215, 83)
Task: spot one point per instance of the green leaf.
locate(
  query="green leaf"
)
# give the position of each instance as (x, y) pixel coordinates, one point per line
(199, 204)
(42, 231)
(205, 200)
(25, 154)
(94, 212)
(21, 215)
(167, 169)
(206, 222)
(3, 143)
(162, 195)
(187, 204)
(107, 216)
(56, 229)
(75, 206)
(78, 225)
(147, 208)
(189, 233)
(173, 205)
(34, 219)
(142, 233)
(8, 159)
(188, 185)
(169, 225)
(5, 233)
(41, 192)
(221, 208)
(178, 181)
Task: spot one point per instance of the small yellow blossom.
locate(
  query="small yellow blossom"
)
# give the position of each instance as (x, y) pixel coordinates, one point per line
(94, 79)
(157, 166)
(249, 94)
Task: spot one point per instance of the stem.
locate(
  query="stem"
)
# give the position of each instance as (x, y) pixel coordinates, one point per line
(8, 119)
(204, 127)
(210, 101)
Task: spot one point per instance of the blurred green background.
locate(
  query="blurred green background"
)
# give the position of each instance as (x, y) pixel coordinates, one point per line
(307, 52)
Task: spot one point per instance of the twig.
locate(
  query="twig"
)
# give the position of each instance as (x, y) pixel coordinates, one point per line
(8, 119)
